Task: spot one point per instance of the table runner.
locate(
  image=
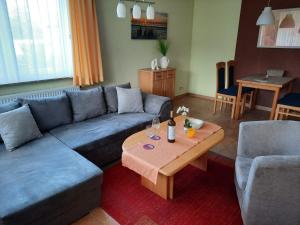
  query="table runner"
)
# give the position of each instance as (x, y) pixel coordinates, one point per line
(147, 163)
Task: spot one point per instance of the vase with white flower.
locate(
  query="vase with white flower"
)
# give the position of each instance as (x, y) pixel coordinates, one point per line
(184, 112)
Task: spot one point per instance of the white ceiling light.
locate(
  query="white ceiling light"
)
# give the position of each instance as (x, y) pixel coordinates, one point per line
(266, 17)
(136, 12)
(121, 10)
(150, 12)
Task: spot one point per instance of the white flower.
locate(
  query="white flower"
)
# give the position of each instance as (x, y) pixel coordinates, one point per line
(179, 109)
(183, 110)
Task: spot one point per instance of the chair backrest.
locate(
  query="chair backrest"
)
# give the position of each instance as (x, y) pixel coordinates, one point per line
(231, 72)
(220, 75)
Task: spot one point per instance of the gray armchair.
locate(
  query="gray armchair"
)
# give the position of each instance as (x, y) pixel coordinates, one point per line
(267, 172)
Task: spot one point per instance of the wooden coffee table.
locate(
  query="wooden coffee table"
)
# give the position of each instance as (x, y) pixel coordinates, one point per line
(196, 156)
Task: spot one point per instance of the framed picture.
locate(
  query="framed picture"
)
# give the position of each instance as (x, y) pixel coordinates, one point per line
(285, 33)
(143, 29)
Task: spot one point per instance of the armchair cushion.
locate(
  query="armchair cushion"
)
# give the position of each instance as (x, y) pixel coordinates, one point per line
(242, 169)
(292, 99)
(233, 90)
(268, 138)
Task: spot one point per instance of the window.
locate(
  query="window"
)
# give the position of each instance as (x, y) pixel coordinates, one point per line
(35, 40)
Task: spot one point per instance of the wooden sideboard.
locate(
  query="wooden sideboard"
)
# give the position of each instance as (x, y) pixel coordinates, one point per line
(158, 82)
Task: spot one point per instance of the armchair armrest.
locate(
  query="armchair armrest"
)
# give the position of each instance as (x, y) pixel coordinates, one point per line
(272, 191)
(157, 105)
(269, 138)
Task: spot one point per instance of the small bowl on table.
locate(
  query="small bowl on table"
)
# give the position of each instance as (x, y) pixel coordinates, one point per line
(196, 123)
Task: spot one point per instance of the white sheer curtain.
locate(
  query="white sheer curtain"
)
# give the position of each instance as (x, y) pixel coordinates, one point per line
(35, 40)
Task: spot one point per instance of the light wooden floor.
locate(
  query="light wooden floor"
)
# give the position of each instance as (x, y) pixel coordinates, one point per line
(202, 109)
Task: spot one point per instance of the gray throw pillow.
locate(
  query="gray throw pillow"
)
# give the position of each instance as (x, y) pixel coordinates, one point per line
(50, 112)
(112, 98)
(129, 100)
(8, 107)
(87, 104)
(18, 127)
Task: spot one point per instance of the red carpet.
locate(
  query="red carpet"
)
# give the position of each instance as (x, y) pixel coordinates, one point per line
(204, 198)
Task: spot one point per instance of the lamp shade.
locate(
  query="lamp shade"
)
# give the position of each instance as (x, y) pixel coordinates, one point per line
(150, 12)
(266, 17)
(136, 12)
(121, 10)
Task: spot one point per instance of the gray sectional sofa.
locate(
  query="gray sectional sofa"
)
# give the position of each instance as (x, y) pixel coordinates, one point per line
(56, 179)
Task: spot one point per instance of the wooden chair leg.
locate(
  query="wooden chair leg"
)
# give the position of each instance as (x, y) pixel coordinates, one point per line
(233, 108)
(253, 104)
(243, 104)
(226, 99)
(277, 113)
(221, 105)
(281, 111)
(215, 105)
(286, 116)
(251, 100)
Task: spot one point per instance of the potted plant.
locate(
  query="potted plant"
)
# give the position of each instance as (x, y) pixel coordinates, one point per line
(184, 112)
(163, 48)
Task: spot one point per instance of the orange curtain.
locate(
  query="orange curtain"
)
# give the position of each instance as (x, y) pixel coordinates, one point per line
(86, 42)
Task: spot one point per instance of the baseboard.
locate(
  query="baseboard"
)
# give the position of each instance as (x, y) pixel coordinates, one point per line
(201, 96)
(259, 107)
(264, 108)
(181, 96)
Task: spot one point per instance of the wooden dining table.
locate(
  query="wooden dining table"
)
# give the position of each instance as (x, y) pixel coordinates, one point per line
(275, 84)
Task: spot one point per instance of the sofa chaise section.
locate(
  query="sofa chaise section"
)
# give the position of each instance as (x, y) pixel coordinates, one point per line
(100, 139)
(45, 182)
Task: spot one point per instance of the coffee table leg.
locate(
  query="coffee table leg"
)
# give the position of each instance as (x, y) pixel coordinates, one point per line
(163, 187)
(201, 163)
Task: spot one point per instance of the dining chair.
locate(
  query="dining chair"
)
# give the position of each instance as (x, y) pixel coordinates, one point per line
(289, 105)
(227, 94)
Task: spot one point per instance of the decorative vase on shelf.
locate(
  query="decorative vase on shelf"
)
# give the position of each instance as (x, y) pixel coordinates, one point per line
(164, 62)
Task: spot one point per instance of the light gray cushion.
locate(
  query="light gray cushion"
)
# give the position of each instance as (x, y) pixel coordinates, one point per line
(8, 107)
(87, 104)
(129, 100)
(18, 127)
(111, 96)
(50, 112)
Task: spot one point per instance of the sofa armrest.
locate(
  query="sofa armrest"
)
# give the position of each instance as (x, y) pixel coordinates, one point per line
(268, 138)
(273, 185)
(157, 105)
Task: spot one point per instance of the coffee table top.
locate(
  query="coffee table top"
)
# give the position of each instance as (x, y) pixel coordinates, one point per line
(179, 163)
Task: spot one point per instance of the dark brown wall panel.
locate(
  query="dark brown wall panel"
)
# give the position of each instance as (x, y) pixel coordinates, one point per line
(253, 60)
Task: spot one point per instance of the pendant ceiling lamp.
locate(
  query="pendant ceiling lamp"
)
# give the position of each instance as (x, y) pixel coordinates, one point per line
(136, 11)
(266, 17)
(150, 12)
(121, 10)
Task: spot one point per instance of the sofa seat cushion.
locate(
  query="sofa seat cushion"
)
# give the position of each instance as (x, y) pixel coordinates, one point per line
(42, 178)
(242, 169)
(104, 134)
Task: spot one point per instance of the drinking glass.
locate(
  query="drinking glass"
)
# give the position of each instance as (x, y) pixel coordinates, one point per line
(149, 131)
(156, 125)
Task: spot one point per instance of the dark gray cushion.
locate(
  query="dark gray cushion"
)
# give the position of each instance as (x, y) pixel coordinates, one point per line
(129, 100)
(87, 104)
(111, 96)
(50, 112)
(101, 138)
(18, 127)
(8, 107)
(45, 180)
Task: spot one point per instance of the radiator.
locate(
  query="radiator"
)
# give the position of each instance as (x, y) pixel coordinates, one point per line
(36, 94)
